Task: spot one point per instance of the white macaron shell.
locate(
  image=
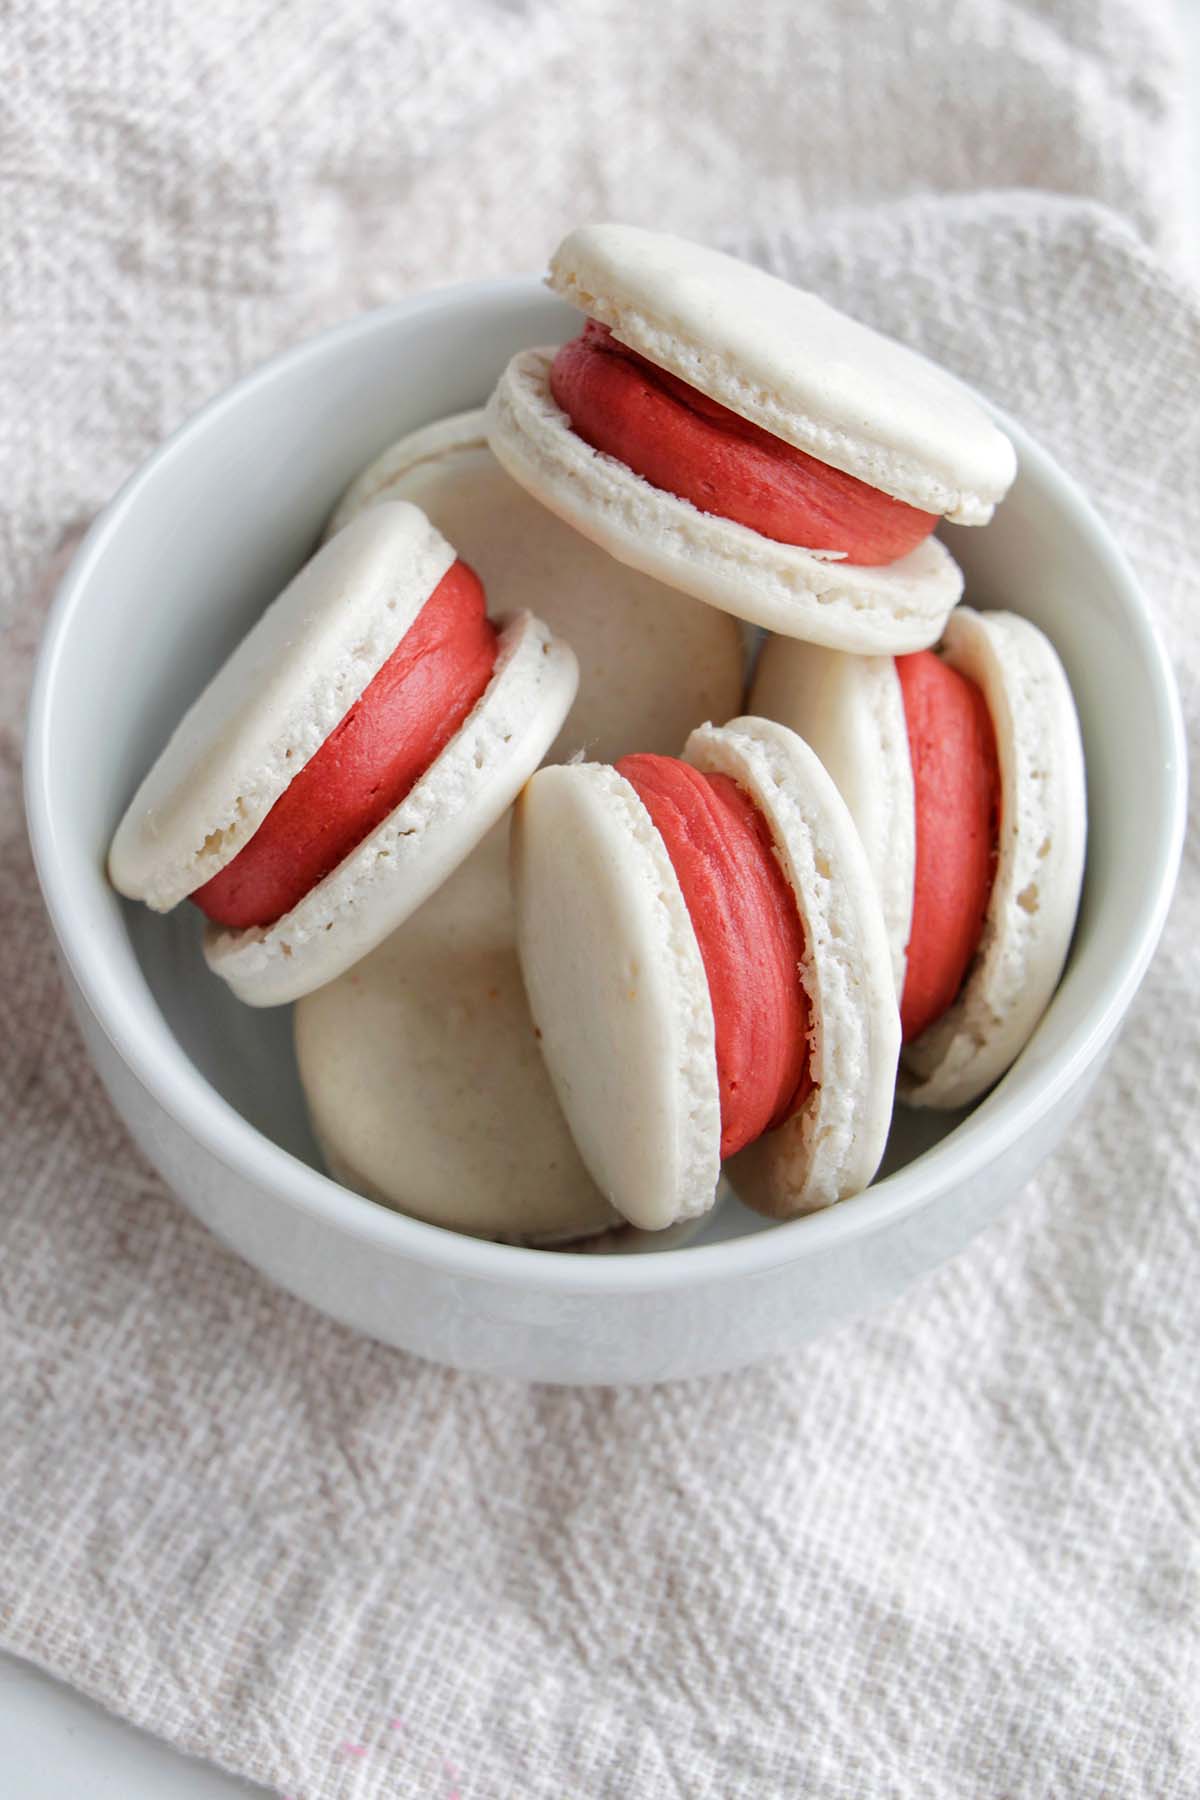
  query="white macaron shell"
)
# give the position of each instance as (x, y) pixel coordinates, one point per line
(652, 663)
(446, 813)
(1039, 869)
(424, 1082)
(272, 704)
(617, 988)
(893, 608)
(787, 361)
(831, 1147)
(850, 709)
(416, 458)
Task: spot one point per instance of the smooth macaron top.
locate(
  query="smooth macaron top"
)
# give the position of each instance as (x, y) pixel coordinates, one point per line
(273, 703)
(424, 1080)
(787, 361)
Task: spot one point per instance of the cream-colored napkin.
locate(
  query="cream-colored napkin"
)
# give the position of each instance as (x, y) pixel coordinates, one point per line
(950, 1552)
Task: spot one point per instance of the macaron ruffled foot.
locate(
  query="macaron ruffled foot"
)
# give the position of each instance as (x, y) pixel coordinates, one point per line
(708, 967)
(737, 438)
(964, 772)
(363, 737)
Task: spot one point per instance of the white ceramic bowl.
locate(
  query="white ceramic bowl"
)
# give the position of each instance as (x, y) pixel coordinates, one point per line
(170, 576)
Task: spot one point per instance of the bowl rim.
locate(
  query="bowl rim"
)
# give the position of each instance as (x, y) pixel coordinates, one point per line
(182, 1091)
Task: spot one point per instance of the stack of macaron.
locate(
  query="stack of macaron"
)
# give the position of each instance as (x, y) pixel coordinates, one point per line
(723, 937)
(742, 441)
(963, 771)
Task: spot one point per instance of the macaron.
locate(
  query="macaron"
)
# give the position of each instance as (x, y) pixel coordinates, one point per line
(708, 969)
(423, 1078)
(964, 772)
(737, 438)
(359, 742)
(651, 663)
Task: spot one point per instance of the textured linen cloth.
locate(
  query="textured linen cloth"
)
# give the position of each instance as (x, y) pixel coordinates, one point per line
(951, 1551)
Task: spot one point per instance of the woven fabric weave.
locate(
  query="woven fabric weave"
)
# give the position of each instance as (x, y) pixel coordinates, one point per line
(949, 1551)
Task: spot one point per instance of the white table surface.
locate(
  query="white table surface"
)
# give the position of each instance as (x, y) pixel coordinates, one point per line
(54, 1744)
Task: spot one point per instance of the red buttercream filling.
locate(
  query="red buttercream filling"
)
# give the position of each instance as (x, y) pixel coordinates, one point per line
(404, 717)
(679, 440)
(750, 935)
(956, 794)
